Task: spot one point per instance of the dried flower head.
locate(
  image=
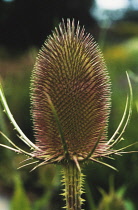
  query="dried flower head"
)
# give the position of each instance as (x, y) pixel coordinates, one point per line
(70, 95)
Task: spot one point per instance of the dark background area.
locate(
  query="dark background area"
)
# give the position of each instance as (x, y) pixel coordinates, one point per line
(27, 23)
(24, 26)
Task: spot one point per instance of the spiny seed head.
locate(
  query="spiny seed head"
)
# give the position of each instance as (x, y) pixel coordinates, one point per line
(70, 92)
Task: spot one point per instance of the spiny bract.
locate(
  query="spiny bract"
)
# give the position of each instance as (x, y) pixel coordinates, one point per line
(70, 95)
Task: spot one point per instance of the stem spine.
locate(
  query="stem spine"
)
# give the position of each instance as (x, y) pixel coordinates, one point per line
(73, 180)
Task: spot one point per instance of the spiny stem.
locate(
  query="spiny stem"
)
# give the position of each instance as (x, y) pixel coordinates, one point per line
(73, 179)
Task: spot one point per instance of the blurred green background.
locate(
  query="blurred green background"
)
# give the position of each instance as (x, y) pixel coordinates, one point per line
(24, 25)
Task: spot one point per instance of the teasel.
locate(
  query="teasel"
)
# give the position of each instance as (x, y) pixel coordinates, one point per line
(70, 107)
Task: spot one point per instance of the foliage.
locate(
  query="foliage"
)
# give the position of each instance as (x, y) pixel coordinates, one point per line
(20, 199)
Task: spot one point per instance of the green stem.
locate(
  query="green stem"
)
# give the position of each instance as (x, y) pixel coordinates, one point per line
(73, 186)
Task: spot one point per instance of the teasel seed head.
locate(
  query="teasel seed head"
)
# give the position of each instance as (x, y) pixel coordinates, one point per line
(70, 94)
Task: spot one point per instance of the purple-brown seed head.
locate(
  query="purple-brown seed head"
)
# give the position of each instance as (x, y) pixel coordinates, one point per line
(71, 75)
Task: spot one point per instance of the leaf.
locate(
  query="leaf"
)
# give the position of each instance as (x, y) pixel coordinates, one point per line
(20, 200)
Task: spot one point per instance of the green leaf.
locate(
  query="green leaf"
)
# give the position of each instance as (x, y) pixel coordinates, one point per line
(20, 200)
